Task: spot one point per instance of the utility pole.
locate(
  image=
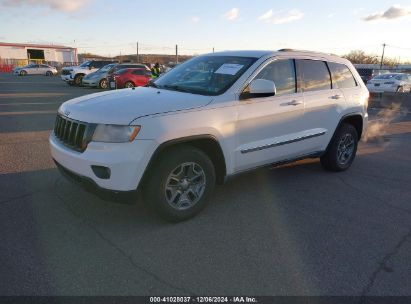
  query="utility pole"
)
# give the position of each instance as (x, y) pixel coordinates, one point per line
(213, 49)
(382, 56)
(176, 54)
(138, 59)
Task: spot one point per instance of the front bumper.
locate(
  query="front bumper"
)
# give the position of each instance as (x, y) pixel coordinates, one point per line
(67, 78)
(126, 161)
(90, 82)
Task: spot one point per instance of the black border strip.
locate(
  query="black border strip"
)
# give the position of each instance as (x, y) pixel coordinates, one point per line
(281, 143)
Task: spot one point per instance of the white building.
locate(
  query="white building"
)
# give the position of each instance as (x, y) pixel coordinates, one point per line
(37, 52)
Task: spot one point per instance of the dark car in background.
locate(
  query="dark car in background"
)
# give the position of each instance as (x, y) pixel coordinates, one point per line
(129, 78)
(367, 74)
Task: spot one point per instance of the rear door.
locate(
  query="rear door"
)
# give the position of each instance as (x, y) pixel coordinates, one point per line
(343, 79)
(269, 129)
(140, 77)
(43, 69)
(323, 103)
(33, 70)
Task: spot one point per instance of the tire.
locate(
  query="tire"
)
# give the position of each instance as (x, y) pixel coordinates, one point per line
(341, 150)
(168, 189)
(23, 73)
(78, 79)
(103, 84)
(400, 89)
(129, 84)
(49, 73)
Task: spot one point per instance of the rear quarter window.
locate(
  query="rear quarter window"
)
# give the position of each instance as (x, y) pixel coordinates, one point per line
(341, 76)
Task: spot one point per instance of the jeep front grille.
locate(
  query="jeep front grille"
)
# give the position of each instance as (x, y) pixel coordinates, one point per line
(65, 72)
(72, 133)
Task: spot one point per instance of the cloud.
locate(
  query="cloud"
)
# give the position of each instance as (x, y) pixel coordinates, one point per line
(291, 16)
(266, 16)
(69, 6)
(195, 19)
(330, 15)
(394, 12)
(232, 14)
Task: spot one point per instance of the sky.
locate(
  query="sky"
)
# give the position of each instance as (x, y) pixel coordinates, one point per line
(114, 27)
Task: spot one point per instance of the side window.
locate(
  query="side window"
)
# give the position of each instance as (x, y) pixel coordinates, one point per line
(282, 73)
(138, 72)
(314, 75)
(341, 76)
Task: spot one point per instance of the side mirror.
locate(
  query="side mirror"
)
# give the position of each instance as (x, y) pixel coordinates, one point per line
(259, 88)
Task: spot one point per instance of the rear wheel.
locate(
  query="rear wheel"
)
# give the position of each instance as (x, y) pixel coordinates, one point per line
(23, 73)
(129, 84)
(103, 84)
(342, 149)
(180, 183)
(78, 79)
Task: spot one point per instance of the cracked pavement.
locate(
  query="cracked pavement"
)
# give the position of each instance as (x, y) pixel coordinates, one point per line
(290, 230)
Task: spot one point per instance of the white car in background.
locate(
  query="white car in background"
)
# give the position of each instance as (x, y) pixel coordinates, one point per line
(393, 82)
(35, 69)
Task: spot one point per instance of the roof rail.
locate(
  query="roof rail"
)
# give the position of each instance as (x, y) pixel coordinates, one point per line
(304, 51)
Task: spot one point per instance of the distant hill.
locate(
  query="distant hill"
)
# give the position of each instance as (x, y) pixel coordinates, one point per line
(144, 58)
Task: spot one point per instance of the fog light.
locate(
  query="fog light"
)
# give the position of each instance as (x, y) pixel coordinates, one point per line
(101, 172)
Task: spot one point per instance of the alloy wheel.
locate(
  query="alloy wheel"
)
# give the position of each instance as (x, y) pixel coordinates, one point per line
(185, 186)
(345, 149)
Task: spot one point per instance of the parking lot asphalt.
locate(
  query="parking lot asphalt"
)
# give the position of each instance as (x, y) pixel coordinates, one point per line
(290, 230)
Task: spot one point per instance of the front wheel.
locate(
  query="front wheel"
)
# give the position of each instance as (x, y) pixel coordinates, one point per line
(78, 80)
(342, 149)
(49, 73)
(129, 84)
(400, 89)
(180, 183)
(103, 84)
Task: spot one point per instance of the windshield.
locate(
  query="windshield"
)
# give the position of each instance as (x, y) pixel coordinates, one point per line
(205, 75)
(85, 64)
(106, 67)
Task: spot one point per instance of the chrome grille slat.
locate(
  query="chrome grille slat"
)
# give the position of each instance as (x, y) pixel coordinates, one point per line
(72, 133)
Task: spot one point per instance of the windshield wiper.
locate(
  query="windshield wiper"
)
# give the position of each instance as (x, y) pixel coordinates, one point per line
(176, 88)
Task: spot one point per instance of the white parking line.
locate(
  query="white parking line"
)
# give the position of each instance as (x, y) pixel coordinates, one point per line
(27, 113)
(28, 103)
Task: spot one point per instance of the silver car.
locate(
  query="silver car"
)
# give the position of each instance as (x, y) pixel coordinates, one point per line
(98, 78)
(35, 69)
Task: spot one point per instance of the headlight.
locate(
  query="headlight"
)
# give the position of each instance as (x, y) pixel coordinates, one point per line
(115, 133)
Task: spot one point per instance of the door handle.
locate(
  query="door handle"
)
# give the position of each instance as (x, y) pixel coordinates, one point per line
(294, 103)
(338, 96)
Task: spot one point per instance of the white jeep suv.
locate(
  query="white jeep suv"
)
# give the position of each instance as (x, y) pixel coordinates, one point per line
(209, 118)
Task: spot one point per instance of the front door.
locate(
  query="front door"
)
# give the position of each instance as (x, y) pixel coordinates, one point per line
(269, 129)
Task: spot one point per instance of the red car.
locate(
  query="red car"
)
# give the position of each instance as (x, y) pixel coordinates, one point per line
(129, 78)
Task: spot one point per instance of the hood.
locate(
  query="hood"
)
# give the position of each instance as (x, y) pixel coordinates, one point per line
(71, 67)
(123, 106)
